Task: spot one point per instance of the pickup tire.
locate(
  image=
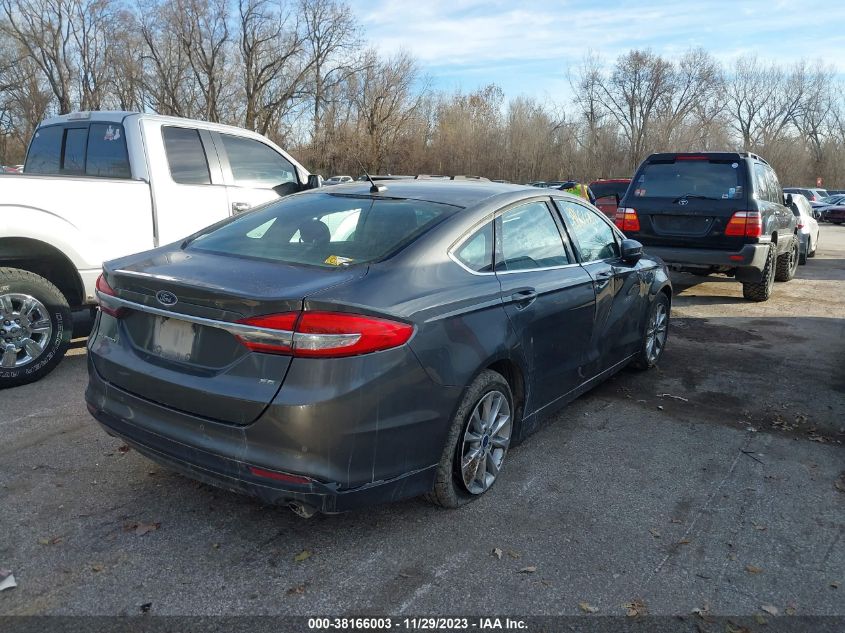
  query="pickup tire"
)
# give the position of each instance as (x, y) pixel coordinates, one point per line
(762, 290)
(35, 327)
(788, 262)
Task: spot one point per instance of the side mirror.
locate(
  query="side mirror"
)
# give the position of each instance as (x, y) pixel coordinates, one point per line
(787, 200)
(315, 181)
(632, 250)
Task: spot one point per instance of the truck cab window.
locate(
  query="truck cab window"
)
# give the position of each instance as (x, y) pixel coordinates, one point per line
(45, 151)
(107, 157)
(73, 157)
(186, 156)
(257, 165)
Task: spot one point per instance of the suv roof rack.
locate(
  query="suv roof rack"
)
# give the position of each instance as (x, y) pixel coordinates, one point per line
(442, 177)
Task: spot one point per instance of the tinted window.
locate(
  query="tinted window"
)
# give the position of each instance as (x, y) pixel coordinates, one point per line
(477, 252)
(107, 155)
(530, 239)
(603, 189)
(325, 230)
(762, 183)
(596, 240)
(45, 151)
(774, 186)
(73, 159)
(706, 178)
(186, 156)
(255, 164)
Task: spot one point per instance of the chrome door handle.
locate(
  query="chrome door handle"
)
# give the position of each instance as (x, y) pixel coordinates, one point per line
(240, 207)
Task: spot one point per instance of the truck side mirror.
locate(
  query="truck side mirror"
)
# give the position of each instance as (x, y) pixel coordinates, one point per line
(315, 181)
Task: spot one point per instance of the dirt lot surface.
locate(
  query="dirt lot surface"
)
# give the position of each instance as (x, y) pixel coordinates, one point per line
(714, 482)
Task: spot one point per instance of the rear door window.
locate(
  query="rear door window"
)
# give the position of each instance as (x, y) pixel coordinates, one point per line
(186, 156)
(256, 165)
(710, 179)
(530, 239)
(107, 157)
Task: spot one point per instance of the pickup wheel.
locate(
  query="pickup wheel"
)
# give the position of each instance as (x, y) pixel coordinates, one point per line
(788, 262)
(35, 327)
(762, 290)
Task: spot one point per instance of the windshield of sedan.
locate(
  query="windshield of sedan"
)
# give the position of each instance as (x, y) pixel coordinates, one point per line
(713, 179)
(325, 230)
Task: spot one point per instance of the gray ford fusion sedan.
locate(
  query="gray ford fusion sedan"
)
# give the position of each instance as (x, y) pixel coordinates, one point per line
(360, 344)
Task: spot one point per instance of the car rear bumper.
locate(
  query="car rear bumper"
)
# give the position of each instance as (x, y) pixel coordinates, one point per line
(749, 260)
(222, 454)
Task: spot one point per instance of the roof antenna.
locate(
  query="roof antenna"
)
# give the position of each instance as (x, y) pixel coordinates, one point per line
(374, 188)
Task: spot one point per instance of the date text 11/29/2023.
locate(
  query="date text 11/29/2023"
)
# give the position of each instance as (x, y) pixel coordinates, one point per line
(415, 624)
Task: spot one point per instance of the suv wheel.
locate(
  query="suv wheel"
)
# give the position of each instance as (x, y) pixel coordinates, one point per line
(35, 327)
(788, 262)
(762, 290)
(477, 443)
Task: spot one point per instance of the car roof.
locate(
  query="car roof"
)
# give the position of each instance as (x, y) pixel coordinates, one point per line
(461, 193)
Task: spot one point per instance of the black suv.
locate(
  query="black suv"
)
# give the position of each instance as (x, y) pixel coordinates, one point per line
(712, 212)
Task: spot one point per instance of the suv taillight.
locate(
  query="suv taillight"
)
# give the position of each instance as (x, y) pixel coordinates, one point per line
(326, 334)
(745, 224)
(627, 220)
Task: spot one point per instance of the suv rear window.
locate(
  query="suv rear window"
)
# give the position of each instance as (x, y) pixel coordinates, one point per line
(700, 178)
(325, 230)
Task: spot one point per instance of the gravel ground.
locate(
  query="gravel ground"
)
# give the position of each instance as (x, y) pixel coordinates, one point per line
(708, 483)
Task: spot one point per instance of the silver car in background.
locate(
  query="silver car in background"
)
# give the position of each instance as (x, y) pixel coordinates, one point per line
(808, 228)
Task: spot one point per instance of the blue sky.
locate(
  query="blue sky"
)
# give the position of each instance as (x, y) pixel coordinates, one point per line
(527, 47)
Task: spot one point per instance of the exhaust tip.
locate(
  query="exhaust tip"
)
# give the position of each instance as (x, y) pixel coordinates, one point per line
(302, 509)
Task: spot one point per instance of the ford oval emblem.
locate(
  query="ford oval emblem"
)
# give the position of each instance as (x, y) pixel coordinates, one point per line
(166, 298)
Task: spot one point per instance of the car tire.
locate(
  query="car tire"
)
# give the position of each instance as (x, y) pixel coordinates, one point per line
(788, 262)
(655, 333)
(23, 295)
(762, 290)
(451, 489)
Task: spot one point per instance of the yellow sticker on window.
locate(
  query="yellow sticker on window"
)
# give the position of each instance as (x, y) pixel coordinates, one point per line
(335, 260)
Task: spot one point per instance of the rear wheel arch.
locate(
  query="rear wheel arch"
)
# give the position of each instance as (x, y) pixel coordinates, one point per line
(515, 377)
(45, 261)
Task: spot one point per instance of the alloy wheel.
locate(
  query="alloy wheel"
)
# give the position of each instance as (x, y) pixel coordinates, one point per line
(25, 329)
(486, 441)
(656, 333)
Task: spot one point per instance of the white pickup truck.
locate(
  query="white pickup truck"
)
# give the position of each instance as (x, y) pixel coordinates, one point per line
(100, 185)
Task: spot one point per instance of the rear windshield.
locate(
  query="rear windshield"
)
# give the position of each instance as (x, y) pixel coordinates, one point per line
(700, 178)
(608, 189)
(325, 230)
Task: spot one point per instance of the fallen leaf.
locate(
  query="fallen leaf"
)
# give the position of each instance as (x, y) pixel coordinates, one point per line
(527, 570)
(145, 608)
(97, 567)
(215, 545)
(654, 533)
(7, 580)
(514, 555)
(790, 610)
(675, 521)
(51, 541)
(586, 607)
(303, 555)
(123, 449)
(684, 541)
(402, 574)
(299, 589)
(701, 612)
(770, 609)
(835, 584)
(141, 528)
(758, 527)
(497, 552)
(635, 608)
(753, 569)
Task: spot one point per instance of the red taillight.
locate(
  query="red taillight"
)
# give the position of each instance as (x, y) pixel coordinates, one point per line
(326, 334)
(627, 220)
(691, 157)
(800, 225)
(104, 288)
(745, 224)
(272, 474)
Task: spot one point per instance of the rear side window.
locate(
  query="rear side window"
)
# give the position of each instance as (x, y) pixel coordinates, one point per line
(762, 183)
(107, 157)
(530, 239)
(476, 253)
(45, 151)
(701, 178)
(255, 164)
(186, 156)
(325, 230)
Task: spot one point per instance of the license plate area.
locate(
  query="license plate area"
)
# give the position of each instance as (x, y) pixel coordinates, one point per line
(691, 225)
(173, 339)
